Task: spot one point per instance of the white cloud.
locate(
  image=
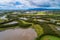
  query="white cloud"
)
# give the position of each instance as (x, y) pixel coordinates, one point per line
(27, 3)
(39, 1)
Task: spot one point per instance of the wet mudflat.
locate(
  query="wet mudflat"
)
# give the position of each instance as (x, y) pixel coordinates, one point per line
(18, 34)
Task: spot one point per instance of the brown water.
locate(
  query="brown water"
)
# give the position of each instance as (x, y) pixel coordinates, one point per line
(18, 34)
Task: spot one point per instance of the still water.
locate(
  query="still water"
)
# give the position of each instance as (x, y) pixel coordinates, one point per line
(18, 34)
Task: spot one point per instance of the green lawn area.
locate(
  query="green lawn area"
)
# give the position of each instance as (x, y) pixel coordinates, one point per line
(48, 37)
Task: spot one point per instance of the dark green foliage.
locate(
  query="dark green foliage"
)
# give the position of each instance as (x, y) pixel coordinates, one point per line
(10, 25)
(25, 25)
(48, 30)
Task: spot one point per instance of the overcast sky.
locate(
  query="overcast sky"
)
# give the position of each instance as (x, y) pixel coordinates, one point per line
(27, 4)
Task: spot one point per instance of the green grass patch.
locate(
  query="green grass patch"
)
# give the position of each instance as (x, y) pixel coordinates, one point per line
(2, 29)
(38, 29)
(48, 37)
(24, 24)
(1, 20)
